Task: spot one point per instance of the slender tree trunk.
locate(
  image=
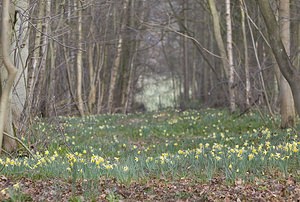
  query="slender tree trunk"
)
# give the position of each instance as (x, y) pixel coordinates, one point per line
(103, 80)
(40, 94)
(71, 97)
(257, 58)
(79, 60)
(230, 58)
(194, 81)
(49, 86)
(92, 90)
(69, 64)
(34, 69)
(129, 90)
(117, 61)
(52, 57)
(48, 69)
(186, 86)
(287, 110)
(246, 57)
(227, 60)
(92, 66)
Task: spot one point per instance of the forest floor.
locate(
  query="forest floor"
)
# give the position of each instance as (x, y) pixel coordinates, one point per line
(154, 190)
(206, 155)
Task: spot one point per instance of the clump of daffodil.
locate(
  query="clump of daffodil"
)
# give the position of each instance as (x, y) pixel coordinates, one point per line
(163, 157)
(46, 153)
(71, 159)
(97, 159)
(181, 152)
(12, 162)
(250, 156)
(198, 151)
(240, 153)
(108, 166)
(149, 159)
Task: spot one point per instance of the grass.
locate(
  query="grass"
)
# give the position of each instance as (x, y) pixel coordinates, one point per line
(198, 145)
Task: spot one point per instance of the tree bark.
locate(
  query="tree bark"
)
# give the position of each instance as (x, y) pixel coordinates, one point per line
(286, 67)
(218, 35)
(92, 90)
(186, 80)
(246, 56)
(287, 109)
(20, 49)
(231, 86)
(226, 57)
(9, 66)
(33, 70)
(40, 96)
(79, 60)
(117, 61)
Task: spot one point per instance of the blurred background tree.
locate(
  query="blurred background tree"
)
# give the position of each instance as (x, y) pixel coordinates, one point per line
(79, 57)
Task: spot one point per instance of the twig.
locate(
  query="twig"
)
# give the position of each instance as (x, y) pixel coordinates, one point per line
(18, 140)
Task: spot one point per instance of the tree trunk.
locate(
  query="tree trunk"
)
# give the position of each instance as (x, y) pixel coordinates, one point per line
(226, 59)
(286, 67)
(231, 86)
(218, 35)
(39, 100)
(246, 57)
(52, 58)
(34, 69)
(116, 64)
(287, 109)
(186, 86)
(257, 55)
(5, 107)
(20, 50)
(92, 90)
(79, 60)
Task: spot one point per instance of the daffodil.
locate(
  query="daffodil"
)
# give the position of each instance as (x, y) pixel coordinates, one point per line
(16, 186)
(250, 156)
(125, 168)
(181, 152)
(108, 166)
(218, 158)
